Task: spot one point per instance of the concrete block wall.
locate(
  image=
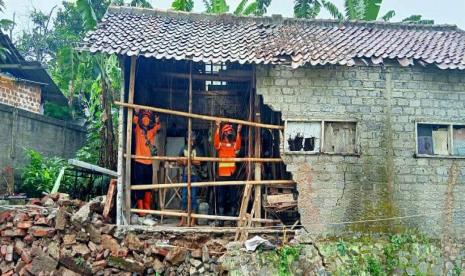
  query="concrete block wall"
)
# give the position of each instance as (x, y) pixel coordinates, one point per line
(386, 180)
(20, 94)
(20, 130)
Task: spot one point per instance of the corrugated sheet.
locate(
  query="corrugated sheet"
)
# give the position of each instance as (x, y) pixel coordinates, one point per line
(272, 40)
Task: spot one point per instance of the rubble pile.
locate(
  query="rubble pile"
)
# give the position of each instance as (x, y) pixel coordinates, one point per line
(59, 236)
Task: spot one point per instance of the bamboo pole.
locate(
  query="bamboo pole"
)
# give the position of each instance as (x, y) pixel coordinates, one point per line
(200, 216)
(127, 196)
(217, 183)
(189, 149)
(258, 149)
(209, 159)
(120, 170)
(198, 116)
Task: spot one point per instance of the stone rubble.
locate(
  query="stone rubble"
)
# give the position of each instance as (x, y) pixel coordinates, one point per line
(60, 236)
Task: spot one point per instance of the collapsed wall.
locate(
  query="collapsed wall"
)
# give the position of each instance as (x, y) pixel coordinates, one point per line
(375, 174)
(59, 236)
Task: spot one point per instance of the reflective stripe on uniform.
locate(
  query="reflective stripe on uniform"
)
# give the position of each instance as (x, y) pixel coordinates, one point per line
(226, 164)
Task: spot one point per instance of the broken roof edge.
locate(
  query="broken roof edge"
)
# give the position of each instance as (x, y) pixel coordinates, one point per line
(277, 19)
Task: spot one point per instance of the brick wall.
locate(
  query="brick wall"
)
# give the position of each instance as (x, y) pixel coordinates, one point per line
(20, 94)
(21, 129)
(386, 180)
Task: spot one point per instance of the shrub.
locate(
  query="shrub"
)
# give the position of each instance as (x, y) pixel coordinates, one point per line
(40, 174)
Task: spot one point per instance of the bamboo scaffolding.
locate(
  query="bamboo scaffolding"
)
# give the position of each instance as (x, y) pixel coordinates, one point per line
(217, 183)
(208, 159)
(200, 216)
(200, 117)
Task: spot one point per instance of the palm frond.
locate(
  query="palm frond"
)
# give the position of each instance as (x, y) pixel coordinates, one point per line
(208, 5)
(240, 8)
(250, 9)
(262, 6)
(183, 5)
(332, 9)
(141, 4)
(87, 13)
(389, 15)
(371, 9)
(2, 5)
(219, 6)
(306, 8)
(417, 19)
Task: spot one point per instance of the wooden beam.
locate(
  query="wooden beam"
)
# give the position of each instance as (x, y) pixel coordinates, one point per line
(210, 77)
(120, 168)
(198, 116)
(109, 200)
(91, 167)
(200, 216)
(258, 149)
(189, 149)
(217, 183)
(127, 196)
(209, 159)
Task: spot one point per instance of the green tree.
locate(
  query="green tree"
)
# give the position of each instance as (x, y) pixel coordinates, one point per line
(367, 10)
(183, 5)
(245, 7)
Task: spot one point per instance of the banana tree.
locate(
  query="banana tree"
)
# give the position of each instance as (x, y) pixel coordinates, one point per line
(366, 10)
(183, 5)
(245, 7)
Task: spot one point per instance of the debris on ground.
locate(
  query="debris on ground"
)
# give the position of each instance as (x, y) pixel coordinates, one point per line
(62, 236)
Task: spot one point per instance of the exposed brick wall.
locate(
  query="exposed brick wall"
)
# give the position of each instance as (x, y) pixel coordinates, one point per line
(19, 94)
(386, 180)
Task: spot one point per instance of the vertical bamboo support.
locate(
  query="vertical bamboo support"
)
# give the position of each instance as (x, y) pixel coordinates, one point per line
(127, 182)
(189, 149)
(258, 149)
(119, 185)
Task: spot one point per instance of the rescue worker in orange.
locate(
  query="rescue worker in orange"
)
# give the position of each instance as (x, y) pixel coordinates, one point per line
(147, 124)
(228, 144)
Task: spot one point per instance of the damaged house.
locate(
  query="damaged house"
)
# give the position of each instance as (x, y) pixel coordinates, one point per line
(368, 119)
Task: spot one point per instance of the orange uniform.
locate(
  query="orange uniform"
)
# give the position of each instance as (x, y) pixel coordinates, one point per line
(141, 147)
(226, 150)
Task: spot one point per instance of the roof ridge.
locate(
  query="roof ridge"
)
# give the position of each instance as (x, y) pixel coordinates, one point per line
(279, 19)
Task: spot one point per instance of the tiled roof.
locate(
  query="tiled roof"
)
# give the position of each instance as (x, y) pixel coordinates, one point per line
(272, 40)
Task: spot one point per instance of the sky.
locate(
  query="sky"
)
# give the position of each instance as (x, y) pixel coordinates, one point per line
(442, 11)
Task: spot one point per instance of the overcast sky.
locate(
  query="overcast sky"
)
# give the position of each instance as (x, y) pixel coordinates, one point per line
(442, 11)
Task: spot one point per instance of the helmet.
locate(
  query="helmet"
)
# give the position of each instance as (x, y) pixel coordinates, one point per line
(227, 128)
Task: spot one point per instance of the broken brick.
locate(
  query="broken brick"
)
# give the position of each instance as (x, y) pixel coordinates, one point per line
(81, 249)
(42, 221)
(133, 242)
(5, 216)
(60, 219)
(70, 263)
(13, 233)
(108, 242)
(24, 225)
(126, 264)
(69, 239)
(20, 216)
(26, 256)
(39, 231)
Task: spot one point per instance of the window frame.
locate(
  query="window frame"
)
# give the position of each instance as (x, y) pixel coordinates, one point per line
(450, 140)
(321, 150)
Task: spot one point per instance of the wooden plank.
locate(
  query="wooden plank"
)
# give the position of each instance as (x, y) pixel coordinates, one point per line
(217, 183)
(121, 141)
(127, 195)
(209, 159)
(95, 168)
(198, 116)
(200, 216)
(257, 206)
(109, 200)
(189, 149)
(210, 77)
(274, 199)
